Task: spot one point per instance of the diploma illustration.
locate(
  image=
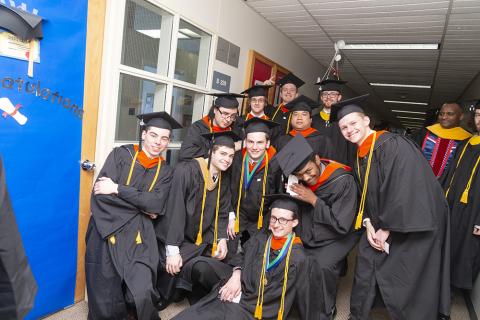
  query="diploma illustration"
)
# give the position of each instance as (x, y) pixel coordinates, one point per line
(10, 110)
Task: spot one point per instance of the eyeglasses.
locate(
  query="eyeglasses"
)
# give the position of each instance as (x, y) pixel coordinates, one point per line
(259, 100)
(330, 94)
(227, 116)
(281, 221)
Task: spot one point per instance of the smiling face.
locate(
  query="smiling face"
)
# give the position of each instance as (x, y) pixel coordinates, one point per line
(329, 98)
(256, 144)
(355, 127)
(450, 115)
(257, 105)
(310, 173)
(282, 222)
(224, 117)
(222, 157)
(288, 92)
(155, 141)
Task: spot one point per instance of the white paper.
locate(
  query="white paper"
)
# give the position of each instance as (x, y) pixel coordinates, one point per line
(237, 298)
(387, 248)
(291, 180)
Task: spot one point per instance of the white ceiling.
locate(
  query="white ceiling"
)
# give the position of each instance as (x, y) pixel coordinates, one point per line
(316, 25)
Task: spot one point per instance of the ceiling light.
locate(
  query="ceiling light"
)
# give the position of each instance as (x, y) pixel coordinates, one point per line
(406, 102)
(378, 84)
(189, 33)
(401, 117)
(152, 33)
(405, 111)
(392, 46)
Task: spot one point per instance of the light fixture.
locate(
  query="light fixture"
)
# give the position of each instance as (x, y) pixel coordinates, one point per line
(189, 33)
(401, 117)
(406, 102)
(378, 84)
(405, 111)
(391, 46)
(152, 33)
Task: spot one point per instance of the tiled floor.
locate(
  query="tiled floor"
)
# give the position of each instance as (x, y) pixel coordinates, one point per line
(459, 309)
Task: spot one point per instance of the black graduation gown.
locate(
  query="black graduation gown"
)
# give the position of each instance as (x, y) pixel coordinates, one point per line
(17, 284)
(126, 262)
(327, 234)
(343, 150)
(252, 197)
(282, 119)
(196, 146)
(405, 198)
(210, 307)
(179, 227)
(465, 246)
(321, 144)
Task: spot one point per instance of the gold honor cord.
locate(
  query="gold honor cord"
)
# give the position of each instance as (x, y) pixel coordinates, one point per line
(240, 188)
(261, 287)
(358, 222)
(456, 167)
(288, 123)
(200, 230)
(131, 171)
(276, 111)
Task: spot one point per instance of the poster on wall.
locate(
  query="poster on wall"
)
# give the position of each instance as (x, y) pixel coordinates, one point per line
(41, 95)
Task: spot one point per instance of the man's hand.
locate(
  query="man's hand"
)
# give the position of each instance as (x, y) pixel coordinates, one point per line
(304, 193)
(269, 82)
(232, 288)
(476, 230)
(231, 229)
(105, 185)
(174, 264)
(371, 236)
(380, 237)
(221, 249)
(152, 216)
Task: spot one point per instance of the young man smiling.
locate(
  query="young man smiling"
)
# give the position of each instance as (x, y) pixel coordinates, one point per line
(122, 256)
(197, 213)
(253, 176)
(267, 278)
(326, 224)
(403, 259)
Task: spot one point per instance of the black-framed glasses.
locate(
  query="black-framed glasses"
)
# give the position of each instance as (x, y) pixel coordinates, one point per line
(330, 94)
(227, 116)
(281, 221)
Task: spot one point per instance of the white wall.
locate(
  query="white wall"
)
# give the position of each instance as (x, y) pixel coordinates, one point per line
(234, 21)
(472, 93)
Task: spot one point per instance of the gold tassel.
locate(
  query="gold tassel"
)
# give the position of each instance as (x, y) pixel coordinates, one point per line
(464, 198)
(199, 238)
(258, 312)
(112, 240)
(138, 239)
(358, 221)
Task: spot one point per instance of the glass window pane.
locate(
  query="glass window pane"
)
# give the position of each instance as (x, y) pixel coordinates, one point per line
(193, 49)
(187, 106)
(136, 96)
(146, 37)
(172, 156)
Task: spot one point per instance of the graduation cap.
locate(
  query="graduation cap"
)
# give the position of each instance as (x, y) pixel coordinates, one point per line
(223, 138)
(331, 85)
(283, 201)
(294, 155)
(291, 78)
(345, 107)
(23, 24)
(160, 120)
(226, 100)
(301, 103)
(257, 124)
(258, 90)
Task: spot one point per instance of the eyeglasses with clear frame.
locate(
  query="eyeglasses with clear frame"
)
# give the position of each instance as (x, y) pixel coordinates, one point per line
(281, 221)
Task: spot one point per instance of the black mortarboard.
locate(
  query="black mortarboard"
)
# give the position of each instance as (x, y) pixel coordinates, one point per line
(23, 24)
(226, 100)
(294, 155)
(291, 78)
(160, 120)
(258, 124)
(344, 107)
(331, 85)
(257, 91)
(283, 201)
(477, 105)
(301, 103)
(223, 138)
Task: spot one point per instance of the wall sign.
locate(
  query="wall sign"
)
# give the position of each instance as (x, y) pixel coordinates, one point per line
(221, 82)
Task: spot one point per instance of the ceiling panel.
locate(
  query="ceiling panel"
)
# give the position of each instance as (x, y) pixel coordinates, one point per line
(316, 24)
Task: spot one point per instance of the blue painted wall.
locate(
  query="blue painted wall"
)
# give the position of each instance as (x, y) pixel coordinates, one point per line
(42, 157)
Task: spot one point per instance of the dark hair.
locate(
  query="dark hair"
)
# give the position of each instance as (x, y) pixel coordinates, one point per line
(217, 146)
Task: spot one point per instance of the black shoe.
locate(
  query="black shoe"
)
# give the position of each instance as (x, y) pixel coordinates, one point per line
(162, 304)
(443, 317)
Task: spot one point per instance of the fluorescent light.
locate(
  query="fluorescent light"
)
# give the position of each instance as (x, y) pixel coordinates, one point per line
(152, 33)
(405, 111)
(189, 33)
(406, 102)
(392, 46)
(378, 84)
(400, 117)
